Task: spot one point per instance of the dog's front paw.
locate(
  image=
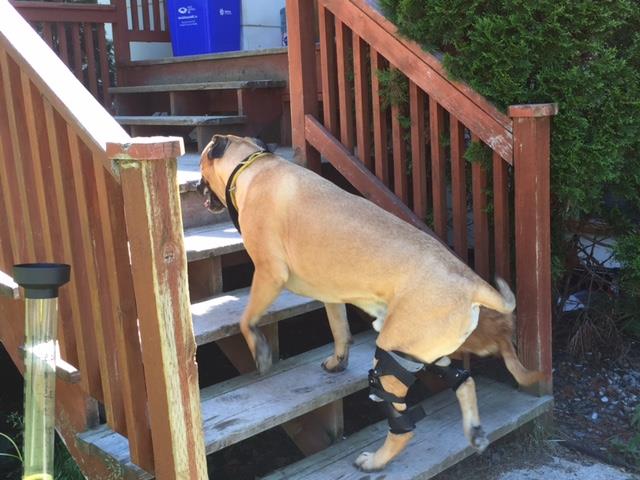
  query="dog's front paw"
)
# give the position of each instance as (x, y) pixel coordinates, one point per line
(366, 462)
(263, 358)
(335, 364)
(479, 439)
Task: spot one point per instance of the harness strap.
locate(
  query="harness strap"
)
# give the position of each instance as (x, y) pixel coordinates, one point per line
(454, 377)
(403, 422)
(230, 190)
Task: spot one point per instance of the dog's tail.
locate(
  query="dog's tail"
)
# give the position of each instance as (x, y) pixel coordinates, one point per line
(503, 302)
(523, 375)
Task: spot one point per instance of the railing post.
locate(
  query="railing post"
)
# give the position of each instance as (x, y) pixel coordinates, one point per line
(302, 76)
(148, 169)
(531, 162)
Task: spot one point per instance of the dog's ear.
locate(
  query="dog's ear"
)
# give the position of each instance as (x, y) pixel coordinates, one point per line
(218, 146)
(260, 143)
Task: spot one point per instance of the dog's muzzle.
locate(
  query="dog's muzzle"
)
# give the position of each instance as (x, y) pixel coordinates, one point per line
(211, 202)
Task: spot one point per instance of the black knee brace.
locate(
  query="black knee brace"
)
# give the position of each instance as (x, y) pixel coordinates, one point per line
(454, 377)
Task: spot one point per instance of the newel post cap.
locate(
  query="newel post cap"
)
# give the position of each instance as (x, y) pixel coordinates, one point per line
(147, 148)
(533, 110)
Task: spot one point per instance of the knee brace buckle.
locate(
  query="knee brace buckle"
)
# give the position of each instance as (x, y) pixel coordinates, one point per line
(454, 377)
(403, 422)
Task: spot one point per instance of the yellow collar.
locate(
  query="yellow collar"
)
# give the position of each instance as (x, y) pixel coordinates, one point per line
(241, 167)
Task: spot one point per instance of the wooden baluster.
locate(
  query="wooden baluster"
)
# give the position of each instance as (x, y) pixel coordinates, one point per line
(156, 16)
(379, 120)
(159, 266)
(418, 157)
(438, 173)
(458, 188)
(302, 76)
(363, 111)
(77, 51)
(47, 34)
(91, 59)
(479, 185)
(400, 182)
(328, 68)
(64, 48)
(104, 67)
(531, 162)
(135, 22)
(345, 94)
(502, 249)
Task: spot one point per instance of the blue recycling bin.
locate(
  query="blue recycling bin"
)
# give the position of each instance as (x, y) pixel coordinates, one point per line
(204, 26)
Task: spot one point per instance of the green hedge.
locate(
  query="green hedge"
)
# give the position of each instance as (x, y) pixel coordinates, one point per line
(582, 54)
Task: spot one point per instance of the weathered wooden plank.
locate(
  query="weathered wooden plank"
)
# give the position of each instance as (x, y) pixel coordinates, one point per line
(159, 267)
(400, 181)
(492, 127)
(361, 94)
(438, 442)
(47, 34)
(345, 93)
(501, 219)
(104, 67)
(76, 49)
(379, 113)
(63, 44)
(362, 179)
(89, 50)
(198, 86)
(328, 68)
(218, 317)
(438, 169)
(177, 120)
(479, 185)
(293, 387)
(120, 284)
(418, 157)
(302, 76)
(458, 188)
(532, 131)
(212, 241)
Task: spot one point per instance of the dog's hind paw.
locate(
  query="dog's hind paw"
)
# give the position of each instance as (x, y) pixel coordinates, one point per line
(479, 439)
(263, 358)
(335, 364)
(366, 462)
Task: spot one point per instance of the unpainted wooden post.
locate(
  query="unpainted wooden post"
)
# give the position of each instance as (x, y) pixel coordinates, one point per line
(147, 169)
(531, 162)
(302, 76)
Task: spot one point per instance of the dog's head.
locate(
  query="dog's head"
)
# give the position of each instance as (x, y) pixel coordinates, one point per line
(217, 161)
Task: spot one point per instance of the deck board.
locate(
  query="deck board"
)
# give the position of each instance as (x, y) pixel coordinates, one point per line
(181, 120)
(212, 241)
(189, 87)
(218, 317)
(438, 443)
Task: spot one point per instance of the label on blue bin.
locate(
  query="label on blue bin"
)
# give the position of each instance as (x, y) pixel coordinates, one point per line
(187, 16)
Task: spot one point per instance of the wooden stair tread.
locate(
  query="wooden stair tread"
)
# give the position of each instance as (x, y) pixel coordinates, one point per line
(219, 317)
(8, 288)
(181, 120)
(212, 241)
(187, 87)
(242, 407)
(438, 443)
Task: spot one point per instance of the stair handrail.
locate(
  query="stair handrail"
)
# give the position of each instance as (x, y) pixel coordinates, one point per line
(62, 199)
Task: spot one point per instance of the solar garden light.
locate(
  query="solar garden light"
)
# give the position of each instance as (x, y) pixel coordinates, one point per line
(40, 282)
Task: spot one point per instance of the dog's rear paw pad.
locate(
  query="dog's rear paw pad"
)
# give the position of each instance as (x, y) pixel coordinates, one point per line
(333, 365)
(479, 439)
(263, 355)
(366, 462)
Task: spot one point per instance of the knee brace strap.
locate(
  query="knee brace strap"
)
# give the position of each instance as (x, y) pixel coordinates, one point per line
(403, 422)
(454, 377)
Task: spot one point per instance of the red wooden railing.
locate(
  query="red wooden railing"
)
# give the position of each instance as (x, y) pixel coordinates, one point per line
(65, 198)
(373, 148)
(78, 33)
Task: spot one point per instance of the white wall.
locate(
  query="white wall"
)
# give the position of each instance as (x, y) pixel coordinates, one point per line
(261, 24)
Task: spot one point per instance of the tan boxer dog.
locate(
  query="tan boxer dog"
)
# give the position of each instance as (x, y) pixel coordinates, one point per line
(307, 235)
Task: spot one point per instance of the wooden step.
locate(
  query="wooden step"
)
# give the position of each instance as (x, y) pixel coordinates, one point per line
(438, 442)
(245, 406)
(8, 288)
(219, 317)
(181, 121)
(189, 87)
(212, 241)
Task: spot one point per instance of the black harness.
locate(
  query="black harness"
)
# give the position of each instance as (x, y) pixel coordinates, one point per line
(405, 369)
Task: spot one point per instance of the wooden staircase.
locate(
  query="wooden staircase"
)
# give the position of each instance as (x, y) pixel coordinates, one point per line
(105, 226)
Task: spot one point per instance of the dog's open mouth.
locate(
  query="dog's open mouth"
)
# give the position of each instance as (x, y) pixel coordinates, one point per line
(211, 201)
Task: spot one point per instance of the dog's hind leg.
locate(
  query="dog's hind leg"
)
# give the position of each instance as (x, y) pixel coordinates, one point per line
(337, 314)
(265, 287)
(466, 394)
